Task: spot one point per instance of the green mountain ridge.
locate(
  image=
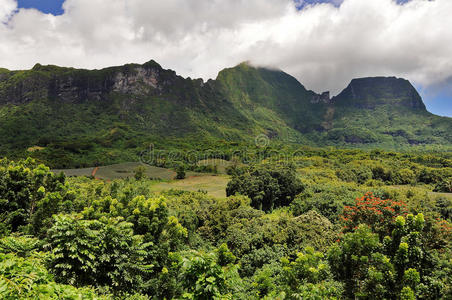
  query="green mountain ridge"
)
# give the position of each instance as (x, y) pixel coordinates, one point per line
(74, 117)
(373, 91)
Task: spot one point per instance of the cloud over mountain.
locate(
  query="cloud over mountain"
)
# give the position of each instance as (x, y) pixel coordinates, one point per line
(323, 45)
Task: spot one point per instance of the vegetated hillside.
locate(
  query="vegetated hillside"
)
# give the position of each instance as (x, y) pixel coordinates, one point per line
(71, 118)
(388, 112)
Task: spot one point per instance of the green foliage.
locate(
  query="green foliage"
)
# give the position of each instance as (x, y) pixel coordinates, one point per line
(405, 176)
(225, 257)
(354, 260)
(100, 253)
(268, 188)
(407, 294)
(180, 172)
(253, 262)
(149, 217)
(22, 246)
(203, 278)
(309, 277)
(328, 199)
(399, 266)
(139, 172)
(29, 195)
(126, 241)
(27, 278)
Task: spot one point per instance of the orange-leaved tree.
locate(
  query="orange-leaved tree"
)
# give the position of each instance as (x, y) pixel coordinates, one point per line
(375, 212)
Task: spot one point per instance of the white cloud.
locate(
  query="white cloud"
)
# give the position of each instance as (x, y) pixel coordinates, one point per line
(7, 7)
(323, 46)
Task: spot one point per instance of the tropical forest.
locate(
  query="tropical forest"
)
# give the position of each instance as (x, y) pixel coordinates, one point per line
(133, 182)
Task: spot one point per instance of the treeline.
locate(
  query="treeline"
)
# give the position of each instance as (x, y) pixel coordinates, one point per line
(372, 168)
(294, 231)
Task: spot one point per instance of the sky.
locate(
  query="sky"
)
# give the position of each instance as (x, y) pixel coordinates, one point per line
(323, 43)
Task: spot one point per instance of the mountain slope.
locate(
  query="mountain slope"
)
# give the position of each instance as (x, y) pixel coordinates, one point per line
(70, 117)
(371, 92)
(387, 112)
(274, 100)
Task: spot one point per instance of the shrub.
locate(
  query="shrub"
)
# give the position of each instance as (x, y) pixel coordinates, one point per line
(357, 262)
(309, 276)
(268, 187)
(100, 253)
(405, 176)
(139, 173)
(328, 199)
(27, 278)
(180, 172)
(25, 188)
(208, 275)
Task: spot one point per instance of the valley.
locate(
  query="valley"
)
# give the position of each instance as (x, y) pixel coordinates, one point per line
(132, 182)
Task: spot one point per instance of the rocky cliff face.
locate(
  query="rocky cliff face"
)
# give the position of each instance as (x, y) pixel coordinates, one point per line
(323, 98)
(367, 93)
(141, 80)
(72, 85)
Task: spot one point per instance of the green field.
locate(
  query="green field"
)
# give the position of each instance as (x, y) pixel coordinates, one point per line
(215, 186)
(75, 172)
(220, 164)
(118, 171)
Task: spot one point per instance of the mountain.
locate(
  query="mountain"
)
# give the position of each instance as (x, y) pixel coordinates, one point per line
(388, 112)
(73, 117)
(368, 93)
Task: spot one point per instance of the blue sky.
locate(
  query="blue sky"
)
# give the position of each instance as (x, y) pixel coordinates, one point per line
(314, 70)
(53, 7)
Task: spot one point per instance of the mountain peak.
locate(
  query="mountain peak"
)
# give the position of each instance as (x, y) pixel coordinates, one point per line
(370, 92)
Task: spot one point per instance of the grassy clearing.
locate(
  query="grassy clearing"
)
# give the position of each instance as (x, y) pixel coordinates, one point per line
(121, 171)
(127, 170)
(214, 185)
(221, 164)
(75, 172)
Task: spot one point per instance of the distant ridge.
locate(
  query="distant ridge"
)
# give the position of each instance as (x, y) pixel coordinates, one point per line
(372, 91)
(80, 117)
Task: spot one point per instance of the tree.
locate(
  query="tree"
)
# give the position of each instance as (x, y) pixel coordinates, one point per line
(100, 253)
(387, 269)
(180, 172)
(375, 212)
(27, 278)
(444, 186)
(309, 276)
(357, 259)
(150, 219)
(209, 275)
(24, 187)
(405, 176)
(139, 172)
(268, 187)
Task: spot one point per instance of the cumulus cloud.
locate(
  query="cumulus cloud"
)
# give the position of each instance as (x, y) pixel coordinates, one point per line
(7, 7)
(323, 45)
